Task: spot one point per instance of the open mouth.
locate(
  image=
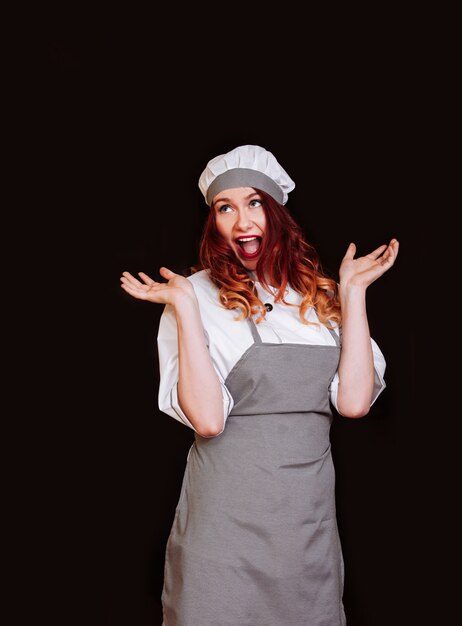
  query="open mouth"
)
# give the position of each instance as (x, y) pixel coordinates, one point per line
(250, 246)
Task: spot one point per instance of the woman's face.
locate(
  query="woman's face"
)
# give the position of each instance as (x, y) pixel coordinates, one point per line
(241, 221)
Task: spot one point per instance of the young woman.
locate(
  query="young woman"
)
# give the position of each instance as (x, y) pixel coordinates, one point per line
(254, 348)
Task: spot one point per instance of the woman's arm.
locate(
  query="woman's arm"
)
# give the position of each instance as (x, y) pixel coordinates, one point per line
(356, 366)
(199, 389)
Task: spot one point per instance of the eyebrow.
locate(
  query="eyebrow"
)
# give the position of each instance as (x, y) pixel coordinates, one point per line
(254, 193)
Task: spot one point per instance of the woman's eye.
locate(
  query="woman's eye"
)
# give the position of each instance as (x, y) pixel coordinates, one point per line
(225, 208)
(255, 203)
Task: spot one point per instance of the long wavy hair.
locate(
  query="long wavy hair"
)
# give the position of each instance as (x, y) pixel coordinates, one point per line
(286, 259)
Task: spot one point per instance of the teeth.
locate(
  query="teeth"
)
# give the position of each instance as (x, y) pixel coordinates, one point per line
(246, 238)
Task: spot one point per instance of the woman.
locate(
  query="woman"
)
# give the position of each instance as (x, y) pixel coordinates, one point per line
(254, 348)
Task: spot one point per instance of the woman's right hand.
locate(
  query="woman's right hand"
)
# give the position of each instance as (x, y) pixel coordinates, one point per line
(172, 292)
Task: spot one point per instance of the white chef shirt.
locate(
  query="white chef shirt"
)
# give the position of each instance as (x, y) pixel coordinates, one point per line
(228, 339)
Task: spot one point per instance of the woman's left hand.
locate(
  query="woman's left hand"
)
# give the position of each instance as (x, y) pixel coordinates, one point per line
(361, 272)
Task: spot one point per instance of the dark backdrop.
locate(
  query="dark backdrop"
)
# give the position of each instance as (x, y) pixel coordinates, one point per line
(128, 130)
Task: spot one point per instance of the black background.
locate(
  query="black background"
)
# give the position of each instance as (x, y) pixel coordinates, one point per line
(124, 126)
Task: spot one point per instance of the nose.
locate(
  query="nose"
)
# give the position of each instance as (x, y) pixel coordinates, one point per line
(243, 221)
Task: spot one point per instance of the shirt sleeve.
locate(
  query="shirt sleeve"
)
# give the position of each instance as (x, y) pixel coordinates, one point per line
(379, 372)
(167, 346)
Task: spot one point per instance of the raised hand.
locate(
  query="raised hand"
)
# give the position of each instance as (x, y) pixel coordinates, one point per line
(172, 292)
(363, 271)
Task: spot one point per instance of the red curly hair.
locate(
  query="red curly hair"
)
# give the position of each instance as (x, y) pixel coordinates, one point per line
(286, 259)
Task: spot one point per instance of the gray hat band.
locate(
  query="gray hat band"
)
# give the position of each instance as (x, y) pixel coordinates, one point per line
(244, 177)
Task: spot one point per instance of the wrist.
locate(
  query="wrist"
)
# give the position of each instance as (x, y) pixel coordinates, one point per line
(351, 291)
(186, 303)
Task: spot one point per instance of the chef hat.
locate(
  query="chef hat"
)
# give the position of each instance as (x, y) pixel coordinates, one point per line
(245, 166)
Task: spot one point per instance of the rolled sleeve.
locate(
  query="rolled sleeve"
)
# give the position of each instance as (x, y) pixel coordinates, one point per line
(174, 409)
(379, 373)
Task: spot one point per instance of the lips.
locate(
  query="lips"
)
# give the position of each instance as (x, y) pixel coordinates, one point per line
(249, 246)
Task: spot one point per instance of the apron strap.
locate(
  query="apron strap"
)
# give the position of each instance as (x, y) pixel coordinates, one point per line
(254, 331)
(337, 338)
(257, 338)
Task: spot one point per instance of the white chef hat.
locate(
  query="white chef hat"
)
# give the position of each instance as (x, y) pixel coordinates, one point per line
(245, 166)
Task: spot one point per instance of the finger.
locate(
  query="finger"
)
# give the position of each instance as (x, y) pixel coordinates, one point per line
(394, 243)
(126, 275)
(166, 273)
(133, 291)
(377, 252)
(146, 293)
(133, 287)
(127, 278)
(389, 257)
(147, 279)
(351, 251)
(393, 248)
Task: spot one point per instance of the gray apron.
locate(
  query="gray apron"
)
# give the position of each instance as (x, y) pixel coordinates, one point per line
(254, 541)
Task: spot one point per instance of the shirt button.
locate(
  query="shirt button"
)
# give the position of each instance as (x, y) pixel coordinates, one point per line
(268, 306)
